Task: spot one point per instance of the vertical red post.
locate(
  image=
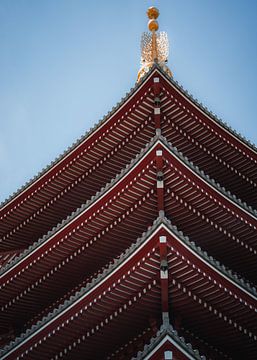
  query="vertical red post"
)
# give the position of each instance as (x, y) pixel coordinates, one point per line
(160, 205)
(157, 105)
(164, 279)
(159, 151)
(159, 179)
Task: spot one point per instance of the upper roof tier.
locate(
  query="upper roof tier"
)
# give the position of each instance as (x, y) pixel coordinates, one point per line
(78, 174)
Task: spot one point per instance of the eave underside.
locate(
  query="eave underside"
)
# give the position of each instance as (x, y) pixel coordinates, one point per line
(102, 229)
(93, 165)
(98, 158)
(128, 297)
(208, 145)
(108, 229)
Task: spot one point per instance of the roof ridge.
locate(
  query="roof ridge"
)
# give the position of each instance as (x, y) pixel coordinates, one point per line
(212, 115)
(208, 179)
(160, 335)
(161, 219)
(84, 206)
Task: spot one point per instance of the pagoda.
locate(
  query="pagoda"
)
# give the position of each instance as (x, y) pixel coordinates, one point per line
(140, 241)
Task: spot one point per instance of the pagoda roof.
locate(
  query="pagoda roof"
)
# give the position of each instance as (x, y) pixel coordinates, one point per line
(246, 292)
(28, 286)
(149, 219)
(84, 206)
(77, 176)
(155, 68)
(80, 140)
(168, 334)
(158, 139)
(250, 214)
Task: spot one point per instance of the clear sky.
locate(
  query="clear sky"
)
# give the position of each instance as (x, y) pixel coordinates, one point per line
(65, 63)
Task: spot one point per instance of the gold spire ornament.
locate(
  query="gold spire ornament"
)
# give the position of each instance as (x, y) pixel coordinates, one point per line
(154, 46)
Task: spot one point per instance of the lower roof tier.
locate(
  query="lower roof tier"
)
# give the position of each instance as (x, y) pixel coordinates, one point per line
(109, 224)
(104, 235)
(129, 296)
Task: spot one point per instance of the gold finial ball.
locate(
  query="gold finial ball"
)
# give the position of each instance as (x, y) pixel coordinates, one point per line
(153, 12)
(153, 25)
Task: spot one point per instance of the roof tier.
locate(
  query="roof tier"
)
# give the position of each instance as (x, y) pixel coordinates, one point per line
(109, 223)
(219, 199)
(79, 174)
(102, 153)
(207, 143)
(99, 231)
(65, 284)
(128, 295)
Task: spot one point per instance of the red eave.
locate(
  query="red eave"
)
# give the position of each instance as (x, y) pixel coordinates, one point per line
(193, 106)
(34, 188)
(54, 251)
(206, 142)
(21, 204)
(221, 200)
(85, 213)
(142, 262)
(236, 209)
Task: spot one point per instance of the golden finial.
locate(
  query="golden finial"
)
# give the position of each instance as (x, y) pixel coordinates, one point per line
(154, 46)
(153, 14)
(153, 25)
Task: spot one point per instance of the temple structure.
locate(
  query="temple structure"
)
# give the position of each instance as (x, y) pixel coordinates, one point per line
(139, 242)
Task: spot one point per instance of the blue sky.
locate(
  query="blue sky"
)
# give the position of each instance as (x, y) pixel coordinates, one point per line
(65, 63)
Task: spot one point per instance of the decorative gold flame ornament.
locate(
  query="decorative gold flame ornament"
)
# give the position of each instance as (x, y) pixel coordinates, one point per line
(154, 46)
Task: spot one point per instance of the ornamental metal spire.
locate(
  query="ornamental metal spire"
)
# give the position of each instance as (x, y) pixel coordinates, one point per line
(154, 46)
